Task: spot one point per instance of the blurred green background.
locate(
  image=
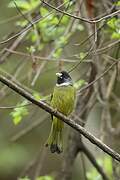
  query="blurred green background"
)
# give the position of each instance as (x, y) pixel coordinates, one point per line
(29, 149)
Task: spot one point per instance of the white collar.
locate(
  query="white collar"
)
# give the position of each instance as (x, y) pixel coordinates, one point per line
(64, 84)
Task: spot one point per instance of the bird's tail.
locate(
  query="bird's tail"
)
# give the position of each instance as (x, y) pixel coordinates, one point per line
(55, 141)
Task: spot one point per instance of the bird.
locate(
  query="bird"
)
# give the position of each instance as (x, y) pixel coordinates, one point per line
(63, 100)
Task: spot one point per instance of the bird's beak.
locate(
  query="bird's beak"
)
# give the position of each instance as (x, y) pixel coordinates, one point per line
(58, 74)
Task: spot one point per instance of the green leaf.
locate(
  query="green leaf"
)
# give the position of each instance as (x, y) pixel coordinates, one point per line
(118, 3)
(111, 23)
(64, 20)
(43, 11)
(24, 5)
(21, 4)
(62, 41)
(79, 83)
(31, 49)
(22, 23)
(57, 53)
(17, 119)
(115, 35)
(54, 21)
(82, 55)
(114, 24)
(37, 96)
(45, 178)
(19, 112)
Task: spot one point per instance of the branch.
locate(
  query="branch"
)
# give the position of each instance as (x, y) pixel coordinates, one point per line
(59, 115)
(99, 77)
(92, 159)
(42, 58)
(29, 128)
(15, 106)
(81, 18)
(28, 27)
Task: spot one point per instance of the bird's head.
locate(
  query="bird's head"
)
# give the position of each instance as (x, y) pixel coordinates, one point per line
(63, 79)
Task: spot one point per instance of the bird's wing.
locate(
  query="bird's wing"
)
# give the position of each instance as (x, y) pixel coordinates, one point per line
(51, 100)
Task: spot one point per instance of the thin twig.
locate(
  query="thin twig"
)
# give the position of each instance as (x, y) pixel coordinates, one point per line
(35, 21)
(22, 13)
(41, 57)
(38, 73)
(99, 77)
(17, 106)
(77, 64)
(29, 128)
(80, 18)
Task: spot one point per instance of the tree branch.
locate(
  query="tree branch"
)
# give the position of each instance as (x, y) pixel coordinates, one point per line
(92, 159)
(99, 77)
(59, 115)
(81, 18)
(28, 27)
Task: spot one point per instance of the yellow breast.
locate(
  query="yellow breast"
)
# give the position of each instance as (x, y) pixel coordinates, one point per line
(63, 99)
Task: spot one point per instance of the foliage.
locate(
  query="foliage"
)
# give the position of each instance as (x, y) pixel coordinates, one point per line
(48, 38)
(117, 3)
(18, 113)
(47, 29)
(25, 5)
(114, 25)
(21, 109)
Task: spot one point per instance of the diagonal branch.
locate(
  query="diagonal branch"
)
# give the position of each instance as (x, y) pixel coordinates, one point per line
(81, 18)
(99, 77)
(28, 27)
(59, 115)
(92, 159)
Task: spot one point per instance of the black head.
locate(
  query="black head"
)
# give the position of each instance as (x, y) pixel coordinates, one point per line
(63, 78)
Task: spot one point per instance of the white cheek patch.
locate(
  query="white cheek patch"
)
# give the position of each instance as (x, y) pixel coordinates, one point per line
(59, 74)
